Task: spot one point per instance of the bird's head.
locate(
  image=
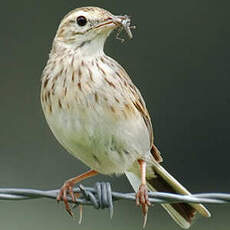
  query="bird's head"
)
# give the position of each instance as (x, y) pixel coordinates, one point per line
(88, 27)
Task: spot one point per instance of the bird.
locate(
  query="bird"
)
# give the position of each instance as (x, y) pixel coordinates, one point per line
(98, 115)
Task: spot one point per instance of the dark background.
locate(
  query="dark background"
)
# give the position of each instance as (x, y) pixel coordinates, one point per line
(179, 59)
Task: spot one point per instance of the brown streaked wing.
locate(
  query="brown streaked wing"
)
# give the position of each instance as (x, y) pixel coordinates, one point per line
(141, 107)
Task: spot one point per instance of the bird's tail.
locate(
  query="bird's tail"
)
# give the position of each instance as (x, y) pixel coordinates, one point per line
(162, 181)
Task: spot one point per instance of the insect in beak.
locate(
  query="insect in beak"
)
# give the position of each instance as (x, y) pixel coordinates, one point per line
(125, 23)
(122, 22)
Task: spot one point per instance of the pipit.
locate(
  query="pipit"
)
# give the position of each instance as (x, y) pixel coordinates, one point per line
(98, 114)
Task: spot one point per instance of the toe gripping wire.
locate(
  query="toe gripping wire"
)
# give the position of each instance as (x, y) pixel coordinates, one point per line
(100, 197)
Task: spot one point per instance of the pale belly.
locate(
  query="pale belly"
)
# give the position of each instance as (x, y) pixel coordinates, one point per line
(105, 144)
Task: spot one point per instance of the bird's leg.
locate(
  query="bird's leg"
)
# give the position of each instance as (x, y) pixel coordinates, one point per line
(67, 188)
(142, 194)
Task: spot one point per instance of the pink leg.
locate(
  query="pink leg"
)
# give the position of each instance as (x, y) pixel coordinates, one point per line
(142, 194)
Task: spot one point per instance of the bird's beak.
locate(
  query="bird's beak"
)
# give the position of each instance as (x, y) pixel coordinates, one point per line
(117, 21)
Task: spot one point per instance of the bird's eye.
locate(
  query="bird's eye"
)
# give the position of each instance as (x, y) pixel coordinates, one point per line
(81, 21)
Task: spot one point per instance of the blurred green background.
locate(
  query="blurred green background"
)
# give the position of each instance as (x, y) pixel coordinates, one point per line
(179, 59)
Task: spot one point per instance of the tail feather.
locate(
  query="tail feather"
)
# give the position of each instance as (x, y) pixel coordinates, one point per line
(162, 181)
(182, 213)
(177, 187)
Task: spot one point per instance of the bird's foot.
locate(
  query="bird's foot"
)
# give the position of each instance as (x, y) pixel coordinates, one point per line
(142, 200)
(67, 189)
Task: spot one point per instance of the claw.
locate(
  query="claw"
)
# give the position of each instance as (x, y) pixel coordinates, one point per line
(80, 214)
(77, 195)
(67, 188)
(145, 220)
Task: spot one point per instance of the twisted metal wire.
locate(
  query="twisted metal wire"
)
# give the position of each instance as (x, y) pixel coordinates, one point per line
(101, 196)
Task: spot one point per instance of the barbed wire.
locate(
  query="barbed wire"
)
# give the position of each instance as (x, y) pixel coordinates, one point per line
(101, 196)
